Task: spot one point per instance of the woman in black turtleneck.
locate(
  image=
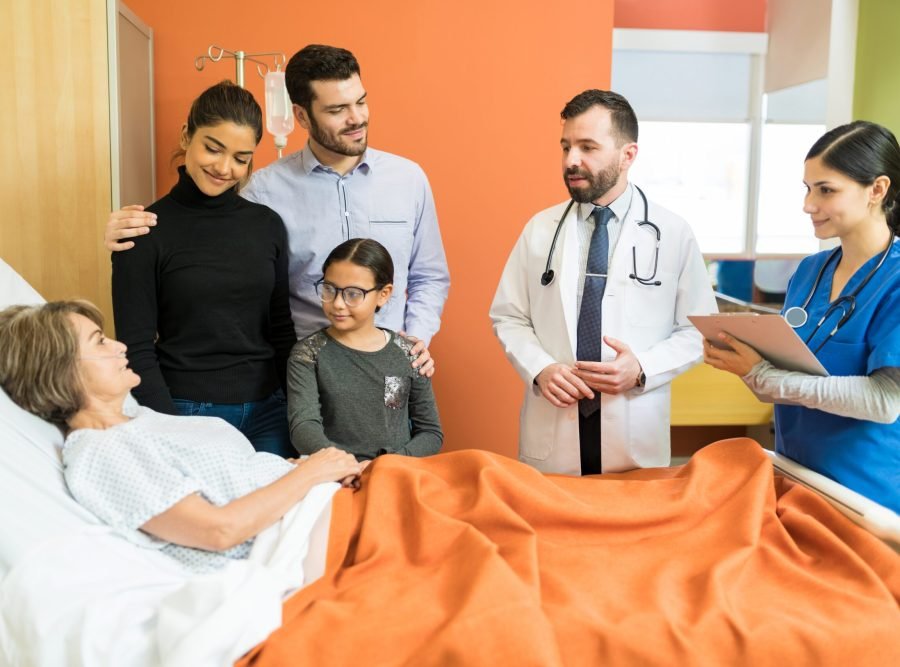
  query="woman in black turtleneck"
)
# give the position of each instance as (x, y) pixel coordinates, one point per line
(202, 302)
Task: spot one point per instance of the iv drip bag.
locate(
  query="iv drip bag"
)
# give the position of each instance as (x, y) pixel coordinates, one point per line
(279, 113)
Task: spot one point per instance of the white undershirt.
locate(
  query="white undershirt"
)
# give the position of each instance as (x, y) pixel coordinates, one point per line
(874, 397)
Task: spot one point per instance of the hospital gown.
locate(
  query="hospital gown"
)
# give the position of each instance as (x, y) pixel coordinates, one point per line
(132, 472)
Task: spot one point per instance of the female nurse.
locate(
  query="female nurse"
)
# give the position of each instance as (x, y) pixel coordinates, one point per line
(845, 303)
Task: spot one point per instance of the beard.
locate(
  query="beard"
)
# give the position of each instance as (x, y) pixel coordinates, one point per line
(334, 142)
(598, 184)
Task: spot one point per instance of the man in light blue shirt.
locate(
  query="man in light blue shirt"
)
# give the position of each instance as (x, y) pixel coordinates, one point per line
(337, 188)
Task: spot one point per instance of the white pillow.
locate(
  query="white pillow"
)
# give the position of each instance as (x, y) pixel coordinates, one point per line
(14, 289)
(34, 502)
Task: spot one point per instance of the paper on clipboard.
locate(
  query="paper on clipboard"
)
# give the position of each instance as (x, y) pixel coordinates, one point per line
(770, 335)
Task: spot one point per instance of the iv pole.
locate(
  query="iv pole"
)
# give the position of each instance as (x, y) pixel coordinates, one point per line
(216, 53)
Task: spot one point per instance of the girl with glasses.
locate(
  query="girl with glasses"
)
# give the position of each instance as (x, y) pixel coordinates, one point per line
(351, 384)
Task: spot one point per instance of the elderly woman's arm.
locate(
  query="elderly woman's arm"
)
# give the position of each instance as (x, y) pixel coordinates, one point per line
(195, 522)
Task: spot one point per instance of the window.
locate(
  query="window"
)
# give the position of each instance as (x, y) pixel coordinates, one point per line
(794, 119)
(713, 148)
(781, 225)
(698, 170)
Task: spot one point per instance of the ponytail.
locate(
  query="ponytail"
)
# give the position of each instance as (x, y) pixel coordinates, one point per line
(892, 212)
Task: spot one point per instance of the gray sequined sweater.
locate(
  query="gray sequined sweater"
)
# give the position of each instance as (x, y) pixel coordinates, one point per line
(367, 403)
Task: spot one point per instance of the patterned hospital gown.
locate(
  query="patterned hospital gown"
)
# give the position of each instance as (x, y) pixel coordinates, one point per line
(130, 473)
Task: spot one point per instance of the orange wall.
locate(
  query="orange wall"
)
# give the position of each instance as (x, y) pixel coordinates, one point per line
(727, 15)
(470, 90)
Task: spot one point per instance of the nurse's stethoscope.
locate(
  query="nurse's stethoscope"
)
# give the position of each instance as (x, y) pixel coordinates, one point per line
(548, 274)
(797, 316)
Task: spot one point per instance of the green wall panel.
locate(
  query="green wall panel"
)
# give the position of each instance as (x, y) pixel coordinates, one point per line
(877, 77)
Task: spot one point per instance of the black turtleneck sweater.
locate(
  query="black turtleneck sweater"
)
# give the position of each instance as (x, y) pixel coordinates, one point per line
(202, 301)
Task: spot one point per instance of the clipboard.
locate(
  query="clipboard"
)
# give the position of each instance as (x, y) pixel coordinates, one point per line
(770, 335)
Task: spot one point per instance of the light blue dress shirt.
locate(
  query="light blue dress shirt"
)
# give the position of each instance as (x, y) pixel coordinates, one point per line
(620, 208)
(386, 198)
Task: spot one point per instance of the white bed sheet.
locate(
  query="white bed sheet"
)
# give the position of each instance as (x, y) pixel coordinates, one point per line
(93, 598)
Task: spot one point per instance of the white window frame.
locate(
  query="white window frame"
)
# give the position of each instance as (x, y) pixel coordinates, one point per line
(753, 44)
(839, 103)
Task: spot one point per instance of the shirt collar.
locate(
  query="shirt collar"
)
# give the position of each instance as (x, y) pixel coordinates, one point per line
(309, 162)
(619, 206)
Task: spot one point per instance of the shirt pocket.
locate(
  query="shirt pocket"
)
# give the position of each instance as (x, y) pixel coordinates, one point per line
(395, 232)
(651, 306)
(396, 391)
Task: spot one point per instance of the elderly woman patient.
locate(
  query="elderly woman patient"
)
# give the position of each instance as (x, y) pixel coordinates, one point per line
(195, 483)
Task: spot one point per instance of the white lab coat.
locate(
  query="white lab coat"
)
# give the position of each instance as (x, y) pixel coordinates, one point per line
(537, 326)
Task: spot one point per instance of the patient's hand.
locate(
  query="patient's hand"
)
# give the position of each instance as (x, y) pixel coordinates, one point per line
(126, 223)
(352, 482)
(331, 465)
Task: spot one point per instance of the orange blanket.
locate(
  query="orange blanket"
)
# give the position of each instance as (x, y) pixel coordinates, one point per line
(469, 558)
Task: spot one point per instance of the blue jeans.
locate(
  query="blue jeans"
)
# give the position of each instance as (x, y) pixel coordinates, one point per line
(263, 423)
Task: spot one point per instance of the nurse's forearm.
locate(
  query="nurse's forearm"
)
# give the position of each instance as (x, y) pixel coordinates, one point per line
(873, 397)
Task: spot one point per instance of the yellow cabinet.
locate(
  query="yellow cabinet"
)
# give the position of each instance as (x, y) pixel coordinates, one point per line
(705, 396)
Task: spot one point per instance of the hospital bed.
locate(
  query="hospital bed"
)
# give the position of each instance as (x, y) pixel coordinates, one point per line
(72, 592)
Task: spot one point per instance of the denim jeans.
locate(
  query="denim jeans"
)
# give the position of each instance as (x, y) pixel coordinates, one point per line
(263, 423)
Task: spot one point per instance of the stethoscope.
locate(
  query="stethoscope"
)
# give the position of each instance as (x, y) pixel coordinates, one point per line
(797, 316)
(548, 274)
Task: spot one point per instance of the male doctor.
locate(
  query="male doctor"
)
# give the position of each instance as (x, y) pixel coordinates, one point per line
(597, 327)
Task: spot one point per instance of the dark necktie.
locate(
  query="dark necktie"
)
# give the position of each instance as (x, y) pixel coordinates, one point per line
(590, 337)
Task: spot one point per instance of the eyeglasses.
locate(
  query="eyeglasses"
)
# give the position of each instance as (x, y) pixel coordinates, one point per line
(352, 296)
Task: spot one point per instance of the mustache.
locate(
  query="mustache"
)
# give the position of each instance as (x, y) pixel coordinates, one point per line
(355, 128)
(575, 171)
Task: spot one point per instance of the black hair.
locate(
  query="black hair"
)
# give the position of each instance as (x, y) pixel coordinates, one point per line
(367, 253)
(863, 151)
(316, 62)
(624, 120)
(225, 102)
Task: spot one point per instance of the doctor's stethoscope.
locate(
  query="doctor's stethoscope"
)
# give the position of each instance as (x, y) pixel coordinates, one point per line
(797, 316)
(548, 274)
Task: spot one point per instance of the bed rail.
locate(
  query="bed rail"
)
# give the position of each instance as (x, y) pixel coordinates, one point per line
(877, 519)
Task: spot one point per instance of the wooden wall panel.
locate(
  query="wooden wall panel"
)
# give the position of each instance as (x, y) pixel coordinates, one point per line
(54, 130)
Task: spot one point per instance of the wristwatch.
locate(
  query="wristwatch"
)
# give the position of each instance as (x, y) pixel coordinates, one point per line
(642, 380)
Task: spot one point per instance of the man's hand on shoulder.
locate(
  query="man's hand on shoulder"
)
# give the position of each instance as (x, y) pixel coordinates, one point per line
(424, 362)
(126, 223)
(561, 386)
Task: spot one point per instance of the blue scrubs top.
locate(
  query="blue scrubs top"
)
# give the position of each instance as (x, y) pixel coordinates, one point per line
(861, 455)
